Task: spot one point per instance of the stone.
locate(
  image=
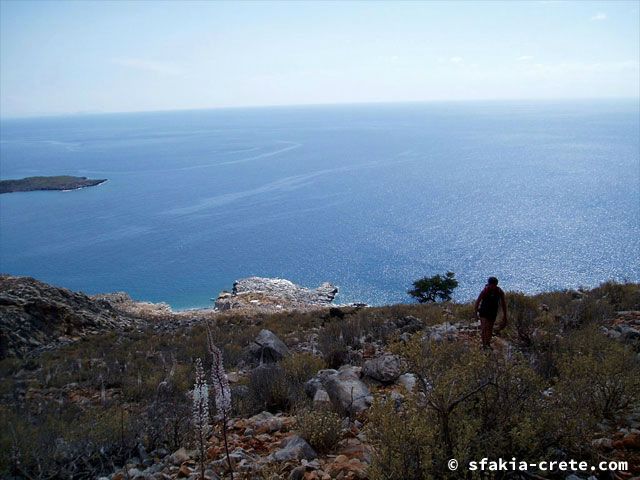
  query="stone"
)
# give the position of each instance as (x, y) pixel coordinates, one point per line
(240, 454)
(135, 473)
(184, 471)
(397, 398)
(294, 448)
(266, 422)
(603, 443)
(436, 337)
(297, 473)
(342, 466)
(354, 448)
(267, 347)
(321, 399)
(312, 385)
(179, 456)
(409, 324)
(632, 441)
(407, 381)
(385, 369)
(405, 337)
(234, 377)
(346, 391)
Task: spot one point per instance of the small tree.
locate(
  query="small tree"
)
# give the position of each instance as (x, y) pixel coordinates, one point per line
(432, 289)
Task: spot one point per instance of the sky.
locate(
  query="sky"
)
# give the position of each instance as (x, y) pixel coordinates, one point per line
(99, 56)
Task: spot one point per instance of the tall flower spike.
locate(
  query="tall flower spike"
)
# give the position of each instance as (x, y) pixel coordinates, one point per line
(201, 413)
(221, 389)
(201, 402)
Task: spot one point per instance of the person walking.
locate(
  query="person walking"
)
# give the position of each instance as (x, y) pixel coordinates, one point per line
(486, 310)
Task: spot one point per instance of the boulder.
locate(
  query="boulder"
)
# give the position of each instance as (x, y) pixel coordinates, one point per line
(267, 347)
(346, 391)
(385, 369)
(312, 385)
(294, 448)
(266, 422)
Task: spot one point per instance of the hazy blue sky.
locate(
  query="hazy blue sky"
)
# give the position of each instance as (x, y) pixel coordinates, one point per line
(68, 57)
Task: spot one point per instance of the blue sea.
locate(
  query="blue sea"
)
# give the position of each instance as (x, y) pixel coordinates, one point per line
(543, 195)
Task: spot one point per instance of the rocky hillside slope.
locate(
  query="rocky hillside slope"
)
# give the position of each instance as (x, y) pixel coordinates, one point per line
(34, 315)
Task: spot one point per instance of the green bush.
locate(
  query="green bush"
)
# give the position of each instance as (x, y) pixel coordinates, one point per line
(598, 375)
(523, 311)
(403, 441)
(321, 428)
(268, 389)
(298, 368)
(280, 386)
(333, 346)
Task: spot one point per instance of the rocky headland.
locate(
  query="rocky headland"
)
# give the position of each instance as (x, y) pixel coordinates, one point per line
(274, 294)
(60, 182)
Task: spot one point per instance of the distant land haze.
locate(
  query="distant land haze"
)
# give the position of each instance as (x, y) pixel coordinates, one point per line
(152, 56)
(542, 195)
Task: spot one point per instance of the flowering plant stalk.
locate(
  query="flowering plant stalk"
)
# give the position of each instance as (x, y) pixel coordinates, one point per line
(201, 412)
(221, 390)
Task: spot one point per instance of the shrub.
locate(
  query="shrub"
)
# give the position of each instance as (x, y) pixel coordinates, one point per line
(333, 346)
(268, 388)
(298, 368)
(402, 440)
(523, 311)
(621, 296)
(321, 428)
(280, 386)
(598, 374)
(432, 289)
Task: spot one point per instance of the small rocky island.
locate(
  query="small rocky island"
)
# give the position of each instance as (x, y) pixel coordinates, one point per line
(61, 182)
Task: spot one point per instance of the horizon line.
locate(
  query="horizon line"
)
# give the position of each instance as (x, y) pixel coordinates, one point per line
(303, 105)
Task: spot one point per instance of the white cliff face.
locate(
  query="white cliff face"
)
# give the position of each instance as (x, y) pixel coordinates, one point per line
(274, 293)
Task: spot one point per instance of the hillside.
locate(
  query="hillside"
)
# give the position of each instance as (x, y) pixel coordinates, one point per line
(322, 392)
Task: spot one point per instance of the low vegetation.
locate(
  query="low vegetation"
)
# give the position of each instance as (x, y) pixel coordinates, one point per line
(557, 382)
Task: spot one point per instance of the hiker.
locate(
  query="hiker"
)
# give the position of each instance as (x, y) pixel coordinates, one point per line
(486, 309)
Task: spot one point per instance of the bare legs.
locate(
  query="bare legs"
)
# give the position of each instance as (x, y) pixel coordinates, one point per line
(486, 331)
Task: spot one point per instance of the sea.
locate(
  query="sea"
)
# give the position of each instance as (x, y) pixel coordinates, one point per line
(544, 195)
